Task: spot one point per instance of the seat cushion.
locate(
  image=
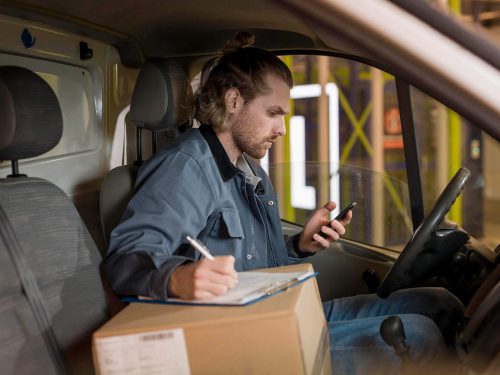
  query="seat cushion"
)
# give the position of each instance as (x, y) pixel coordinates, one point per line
(65, 263)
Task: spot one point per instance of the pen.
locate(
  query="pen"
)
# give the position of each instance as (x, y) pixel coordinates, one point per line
(200, 247)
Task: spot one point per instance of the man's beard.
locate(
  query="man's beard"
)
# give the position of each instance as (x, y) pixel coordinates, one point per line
(245, 138)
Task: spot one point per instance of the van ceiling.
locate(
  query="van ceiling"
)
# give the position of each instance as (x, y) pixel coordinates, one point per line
(169, 28)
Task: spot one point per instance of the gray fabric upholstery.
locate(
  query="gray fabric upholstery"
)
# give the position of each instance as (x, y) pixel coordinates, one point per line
(162, 100)
(162, 97)
(116, 191)
(30, 115)
(56, 245)
(65, 262)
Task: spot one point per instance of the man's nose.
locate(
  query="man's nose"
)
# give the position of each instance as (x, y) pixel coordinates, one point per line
(280, 129)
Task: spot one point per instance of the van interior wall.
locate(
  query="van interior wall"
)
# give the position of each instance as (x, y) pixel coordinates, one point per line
(91, 92)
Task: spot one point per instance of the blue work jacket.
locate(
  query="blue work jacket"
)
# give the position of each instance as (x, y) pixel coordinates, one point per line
(192, 188)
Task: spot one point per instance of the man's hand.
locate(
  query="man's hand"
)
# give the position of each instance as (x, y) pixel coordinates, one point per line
(310, 241)
(204, 279)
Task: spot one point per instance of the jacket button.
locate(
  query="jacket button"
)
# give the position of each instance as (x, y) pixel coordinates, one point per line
(270, 203)
(249, 256)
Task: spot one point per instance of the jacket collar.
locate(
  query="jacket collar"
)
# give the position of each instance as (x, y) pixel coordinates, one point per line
(227, 169)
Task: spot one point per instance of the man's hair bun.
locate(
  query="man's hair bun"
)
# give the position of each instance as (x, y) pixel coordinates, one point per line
(241, 40)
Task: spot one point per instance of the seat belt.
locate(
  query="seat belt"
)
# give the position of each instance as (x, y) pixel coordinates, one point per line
(32, 292)
(119, 144)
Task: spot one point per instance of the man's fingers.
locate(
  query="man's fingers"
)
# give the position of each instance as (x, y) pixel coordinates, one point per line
(214, 278)
(330, 232)
(220, 270)
(202, 295)
(205, 289)
(223, 265)
(322, 241)
(337, 227)
(327, 208)
(347, 218)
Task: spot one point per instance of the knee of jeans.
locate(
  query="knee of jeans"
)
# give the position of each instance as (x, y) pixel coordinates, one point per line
(437, 301)
(448, 299)
(423, 336)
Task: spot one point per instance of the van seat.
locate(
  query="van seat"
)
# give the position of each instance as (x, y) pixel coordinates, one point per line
(51, 295)
(161, 101)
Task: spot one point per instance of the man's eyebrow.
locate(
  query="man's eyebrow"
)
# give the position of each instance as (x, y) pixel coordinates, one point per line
(278, 109)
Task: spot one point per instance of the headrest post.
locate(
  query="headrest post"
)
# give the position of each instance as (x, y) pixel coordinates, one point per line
(138, 146)
(15, 170)
(154, 139)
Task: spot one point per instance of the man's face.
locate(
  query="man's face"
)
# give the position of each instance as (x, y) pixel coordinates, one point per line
(261, 121)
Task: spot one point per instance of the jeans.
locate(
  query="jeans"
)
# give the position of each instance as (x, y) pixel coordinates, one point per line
(429, 316)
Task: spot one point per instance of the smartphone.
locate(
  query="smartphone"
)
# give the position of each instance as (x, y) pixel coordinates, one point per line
(342, 214)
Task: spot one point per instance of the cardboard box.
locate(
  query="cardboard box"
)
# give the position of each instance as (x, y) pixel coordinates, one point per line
(283, 334)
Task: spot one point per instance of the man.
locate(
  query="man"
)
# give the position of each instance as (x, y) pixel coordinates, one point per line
(206, 185)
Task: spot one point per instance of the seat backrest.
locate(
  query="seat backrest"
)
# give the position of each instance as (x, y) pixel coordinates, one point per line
(478, 339)
(161, 102)
(50, 288)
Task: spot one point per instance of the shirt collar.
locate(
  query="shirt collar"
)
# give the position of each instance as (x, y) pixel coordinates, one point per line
(227, 169)
(252, 178)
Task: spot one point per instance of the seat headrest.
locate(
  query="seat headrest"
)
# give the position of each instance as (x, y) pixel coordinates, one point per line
(30, 116)
(162, 97)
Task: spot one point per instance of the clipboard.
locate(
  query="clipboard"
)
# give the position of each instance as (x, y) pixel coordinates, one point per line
(252, 287)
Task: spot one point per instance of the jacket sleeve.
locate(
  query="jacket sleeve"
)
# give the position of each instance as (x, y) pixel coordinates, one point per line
(292, 244)
(173, 199)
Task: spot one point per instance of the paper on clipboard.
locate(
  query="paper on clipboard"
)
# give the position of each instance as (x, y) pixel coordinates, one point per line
(252, 286)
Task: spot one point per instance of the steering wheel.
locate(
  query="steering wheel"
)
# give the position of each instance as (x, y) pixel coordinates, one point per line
(416, 255)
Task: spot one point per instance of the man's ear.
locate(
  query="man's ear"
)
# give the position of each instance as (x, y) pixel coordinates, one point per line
(233, 100)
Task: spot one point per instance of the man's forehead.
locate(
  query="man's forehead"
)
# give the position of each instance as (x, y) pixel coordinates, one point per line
(273, 79)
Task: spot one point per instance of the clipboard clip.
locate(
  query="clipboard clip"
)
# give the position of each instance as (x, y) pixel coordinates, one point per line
(280, 287)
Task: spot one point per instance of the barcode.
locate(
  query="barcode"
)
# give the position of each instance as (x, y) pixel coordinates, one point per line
(157, 336)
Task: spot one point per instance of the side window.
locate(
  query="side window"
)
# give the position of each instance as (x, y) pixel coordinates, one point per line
(344, 144)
